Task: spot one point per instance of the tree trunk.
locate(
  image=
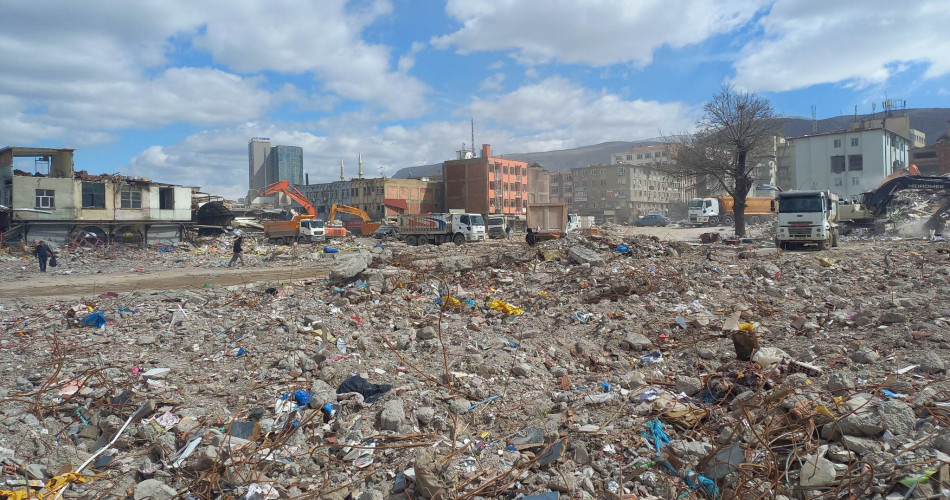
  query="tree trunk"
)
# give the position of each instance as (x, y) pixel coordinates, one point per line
(742, 191)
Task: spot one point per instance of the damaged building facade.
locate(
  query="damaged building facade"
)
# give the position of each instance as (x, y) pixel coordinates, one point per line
(57, 204)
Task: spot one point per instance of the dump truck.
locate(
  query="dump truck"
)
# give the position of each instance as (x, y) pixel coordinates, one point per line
(550, 220)
(302, 227)
(719, 210)
(807, 218)
(438, 228)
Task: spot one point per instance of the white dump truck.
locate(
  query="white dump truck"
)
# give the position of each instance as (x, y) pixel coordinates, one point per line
(424, 229)
(807, 217)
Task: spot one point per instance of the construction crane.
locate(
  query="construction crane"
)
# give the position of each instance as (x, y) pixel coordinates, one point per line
(368, 225)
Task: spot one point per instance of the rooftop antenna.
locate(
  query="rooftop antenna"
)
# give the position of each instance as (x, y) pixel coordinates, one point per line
(473, 137)
(359, 173)
(381, 171)
(814, 119)
(341, 169)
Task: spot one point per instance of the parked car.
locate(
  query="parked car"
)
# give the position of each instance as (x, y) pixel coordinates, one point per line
(652, 220)
(385, 232)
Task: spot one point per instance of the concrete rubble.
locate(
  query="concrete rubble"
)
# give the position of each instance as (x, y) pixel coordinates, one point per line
(614, 365)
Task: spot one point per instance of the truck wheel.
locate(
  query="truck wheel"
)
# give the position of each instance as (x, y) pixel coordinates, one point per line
(423, 240)
(714, 221)
(824, 244)
(728, 220)
(458, 239)
(412, 241)
(834, 239)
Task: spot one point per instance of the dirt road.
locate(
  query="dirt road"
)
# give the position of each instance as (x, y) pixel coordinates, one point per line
(86, 285)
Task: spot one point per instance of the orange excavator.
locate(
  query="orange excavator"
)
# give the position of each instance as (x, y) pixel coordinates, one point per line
(303, 227)
(368, 225)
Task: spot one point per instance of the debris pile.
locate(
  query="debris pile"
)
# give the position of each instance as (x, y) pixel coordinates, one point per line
(600, 366)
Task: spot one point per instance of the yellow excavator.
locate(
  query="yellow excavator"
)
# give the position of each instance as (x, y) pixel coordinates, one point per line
(368, 225)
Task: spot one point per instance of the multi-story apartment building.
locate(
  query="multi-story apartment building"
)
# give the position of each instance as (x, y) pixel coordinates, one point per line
(621, 193)
(561, 188)
(538, 189)
(55, 203)
(642, 155)
(848, 162)
(933, 159)
(378, 197)
(486, 184)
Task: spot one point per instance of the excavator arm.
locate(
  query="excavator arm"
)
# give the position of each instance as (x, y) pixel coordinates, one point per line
(346, 209)
(876, 201)
(292, 192)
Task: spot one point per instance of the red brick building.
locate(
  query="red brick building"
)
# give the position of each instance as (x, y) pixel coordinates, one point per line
(485, 184)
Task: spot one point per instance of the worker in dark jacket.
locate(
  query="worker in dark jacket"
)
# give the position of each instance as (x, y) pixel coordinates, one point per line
(237, 251)
(42, 253)
(530, 238)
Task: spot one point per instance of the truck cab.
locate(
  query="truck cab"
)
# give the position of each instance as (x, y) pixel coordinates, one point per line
(313, 229)
(704, 211)
(807, 217)
(472, 226)
(495, 226)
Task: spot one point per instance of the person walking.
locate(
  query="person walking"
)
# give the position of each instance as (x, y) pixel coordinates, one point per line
(42, 253)
(530, 238)
(237, 251)
(508, 231)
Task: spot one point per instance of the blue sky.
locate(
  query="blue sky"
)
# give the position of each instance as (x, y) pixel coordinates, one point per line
(172, 90)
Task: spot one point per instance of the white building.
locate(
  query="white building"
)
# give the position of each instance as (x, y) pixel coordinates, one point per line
(848, 162)
(642, 155)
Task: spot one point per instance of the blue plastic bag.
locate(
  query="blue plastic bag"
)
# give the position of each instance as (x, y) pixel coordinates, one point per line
(94, 319)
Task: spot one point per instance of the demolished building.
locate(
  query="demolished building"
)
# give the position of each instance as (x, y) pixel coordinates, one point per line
(57, 204)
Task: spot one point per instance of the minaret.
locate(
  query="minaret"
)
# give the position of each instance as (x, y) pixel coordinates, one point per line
(359, 172)
(341, 169)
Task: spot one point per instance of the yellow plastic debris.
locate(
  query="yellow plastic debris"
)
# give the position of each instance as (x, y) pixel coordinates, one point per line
(508, 309)
(823, 410)
(52, 488)
(451, 301)
(748, 327)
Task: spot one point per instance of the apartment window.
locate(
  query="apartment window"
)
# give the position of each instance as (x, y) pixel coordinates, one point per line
(666, 154)
(130, 198)
(647, 155)
(506, 202)
(854, 142)
(855, 181)
(837, 182)
(618, 159)
(837, 164)
(93, 195)
(837, 143)
(505, 169)
(45, 198)
(166, 199)
(855, 162)
(639, 156)
(621, 171)
(629, 157)
(491, 167)
(491, 202)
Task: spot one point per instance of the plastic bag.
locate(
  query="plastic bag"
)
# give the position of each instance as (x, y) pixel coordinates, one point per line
(52, 260)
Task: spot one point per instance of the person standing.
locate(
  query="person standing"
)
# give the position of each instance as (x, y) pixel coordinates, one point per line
(237, 252)
(530, 238)
(42, 253)
(508, 231)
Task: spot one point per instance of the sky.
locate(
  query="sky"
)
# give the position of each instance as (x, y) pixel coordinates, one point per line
(173, 90)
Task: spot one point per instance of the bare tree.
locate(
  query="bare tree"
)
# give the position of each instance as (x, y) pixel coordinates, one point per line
(735, 135)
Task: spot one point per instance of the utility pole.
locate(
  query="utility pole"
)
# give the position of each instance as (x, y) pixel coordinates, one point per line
(341, 169)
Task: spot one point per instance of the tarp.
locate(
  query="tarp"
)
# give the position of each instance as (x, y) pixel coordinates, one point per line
(370, 392)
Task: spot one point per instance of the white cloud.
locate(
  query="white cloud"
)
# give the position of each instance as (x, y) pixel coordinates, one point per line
(493, 82)
(79, 71)
(556, 108)
(860, 43)
(301, 36)
(594, 32)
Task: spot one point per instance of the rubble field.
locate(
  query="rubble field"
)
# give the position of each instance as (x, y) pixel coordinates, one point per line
(618, 365)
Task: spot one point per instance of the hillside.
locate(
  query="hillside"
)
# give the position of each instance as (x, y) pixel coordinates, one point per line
(931, 121)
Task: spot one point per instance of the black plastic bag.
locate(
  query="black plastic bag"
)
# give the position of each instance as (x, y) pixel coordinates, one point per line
(370, 392)
(52, 260)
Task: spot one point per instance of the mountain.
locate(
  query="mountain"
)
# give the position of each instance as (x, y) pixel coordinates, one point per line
(931, 121)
